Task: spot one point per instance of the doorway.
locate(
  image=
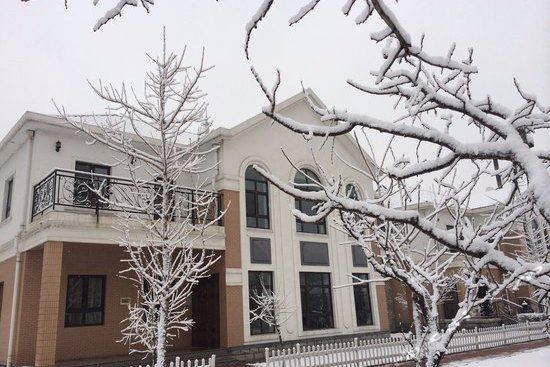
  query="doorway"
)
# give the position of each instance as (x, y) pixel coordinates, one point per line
(206, 313)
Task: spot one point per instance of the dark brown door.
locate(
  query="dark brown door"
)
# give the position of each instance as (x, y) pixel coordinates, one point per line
(206, 313)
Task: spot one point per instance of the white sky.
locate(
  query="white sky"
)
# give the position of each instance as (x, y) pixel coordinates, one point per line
(49, 52)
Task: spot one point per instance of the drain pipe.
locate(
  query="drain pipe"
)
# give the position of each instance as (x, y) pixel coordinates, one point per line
(17, 277)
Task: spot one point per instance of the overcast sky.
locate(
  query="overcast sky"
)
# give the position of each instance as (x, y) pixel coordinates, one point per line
(49, 52)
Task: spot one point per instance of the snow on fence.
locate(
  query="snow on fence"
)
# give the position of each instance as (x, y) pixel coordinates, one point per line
(178, 362)
(371, 352)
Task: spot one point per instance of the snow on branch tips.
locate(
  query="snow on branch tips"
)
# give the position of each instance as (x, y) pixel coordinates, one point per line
(441, 178)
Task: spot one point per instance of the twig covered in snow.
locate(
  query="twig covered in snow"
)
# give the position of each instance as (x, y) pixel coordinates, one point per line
(271, 308)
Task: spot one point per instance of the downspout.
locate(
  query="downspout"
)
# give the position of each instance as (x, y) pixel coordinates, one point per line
(23, 225)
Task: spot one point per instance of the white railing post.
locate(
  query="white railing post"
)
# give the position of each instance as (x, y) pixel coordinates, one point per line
(504, 334)
(477, 338)
(528, 330)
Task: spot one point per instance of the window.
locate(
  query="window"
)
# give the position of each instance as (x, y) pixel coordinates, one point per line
(83, 195)
(361, 294)
(8, 197)
(358, 256)
(485, 309)
(315, 291)
(306, 180)
(450, 303)
(351, 192)
(257, 281)
(257, 199)
(85, 300)
(260, 251)
(314, 253)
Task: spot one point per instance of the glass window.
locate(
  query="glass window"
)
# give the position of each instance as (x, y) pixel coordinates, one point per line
(257, 281)
(450, 303)
(83, 195)
(306, 180)
(315, 291)
(8, 197)
(260, 250)
(314, 253)
(85, 300)
(361, 294)
(351, 192)
(358, 256)
(257, 199)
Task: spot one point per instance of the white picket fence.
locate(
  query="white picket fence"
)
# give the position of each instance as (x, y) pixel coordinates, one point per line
(178, 362)
(371, 352)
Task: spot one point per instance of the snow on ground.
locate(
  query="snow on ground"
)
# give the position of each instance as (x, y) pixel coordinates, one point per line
(528, 358)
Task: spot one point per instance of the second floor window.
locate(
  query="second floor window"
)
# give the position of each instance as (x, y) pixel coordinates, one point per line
(257, 199)
(8, 198)
(85, 180)
(306, 180)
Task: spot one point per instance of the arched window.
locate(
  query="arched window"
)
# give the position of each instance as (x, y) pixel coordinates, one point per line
(351, 192)
(257, 199)
(307, 177)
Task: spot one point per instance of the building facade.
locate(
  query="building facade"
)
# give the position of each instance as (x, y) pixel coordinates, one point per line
(61, 296)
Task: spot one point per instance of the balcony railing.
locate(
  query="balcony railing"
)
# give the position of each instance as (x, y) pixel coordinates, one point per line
(65, 188)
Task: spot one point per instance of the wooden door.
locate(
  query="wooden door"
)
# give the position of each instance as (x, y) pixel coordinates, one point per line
(206, 313)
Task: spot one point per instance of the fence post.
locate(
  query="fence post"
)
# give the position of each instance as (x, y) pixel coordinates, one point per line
(528, 330)
(504, 332)
(266, 351)
(477, 338)
(356, 351)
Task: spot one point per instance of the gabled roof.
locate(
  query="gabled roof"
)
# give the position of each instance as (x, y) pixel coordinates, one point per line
(259, 118)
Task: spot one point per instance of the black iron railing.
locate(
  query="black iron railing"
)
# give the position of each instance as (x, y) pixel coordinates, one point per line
(65, 188)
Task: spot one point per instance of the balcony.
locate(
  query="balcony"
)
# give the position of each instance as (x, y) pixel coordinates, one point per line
(65, 189)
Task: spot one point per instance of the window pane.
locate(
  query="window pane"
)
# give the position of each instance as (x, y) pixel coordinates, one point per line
(262, 205)
(316, 300)
(361, 293)
(257, 199)
(93, 318)
(351, 192)
(260, 250)
(257, 281)
(251, 222)
(95, 293)
(314, 253)
(358, 255)
(250, 204)
(75, 292)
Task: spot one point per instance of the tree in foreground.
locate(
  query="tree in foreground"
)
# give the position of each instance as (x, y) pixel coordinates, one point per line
(434, 99)
(158, 139)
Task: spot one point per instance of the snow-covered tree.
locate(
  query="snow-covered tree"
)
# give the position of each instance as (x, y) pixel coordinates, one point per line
(435, 98)
(158, 138)
(271, 308)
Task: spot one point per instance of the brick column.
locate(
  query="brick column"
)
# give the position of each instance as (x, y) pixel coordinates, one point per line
(231, 302)
(48, 309)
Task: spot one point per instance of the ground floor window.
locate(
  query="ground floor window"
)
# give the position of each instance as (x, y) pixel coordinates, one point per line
(450, 303)
(257, 281)
(315, 291)
(85, 300)
(363, 307)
